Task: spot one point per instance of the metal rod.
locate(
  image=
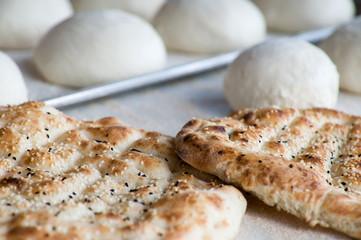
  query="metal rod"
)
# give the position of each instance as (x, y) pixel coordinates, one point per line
(165, 75)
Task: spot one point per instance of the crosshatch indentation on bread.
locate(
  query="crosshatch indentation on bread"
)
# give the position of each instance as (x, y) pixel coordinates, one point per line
(67, 179)
(304, 161)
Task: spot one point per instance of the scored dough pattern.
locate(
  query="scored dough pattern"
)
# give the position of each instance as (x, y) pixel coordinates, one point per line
(307, 162)
(68, 179)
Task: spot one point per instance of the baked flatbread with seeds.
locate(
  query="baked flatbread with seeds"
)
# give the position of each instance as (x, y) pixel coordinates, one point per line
(68, 179)
(306, 162)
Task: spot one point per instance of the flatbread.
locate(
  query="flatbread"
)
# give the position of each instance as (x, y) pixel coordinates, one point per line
(306, 162)
(67, 179)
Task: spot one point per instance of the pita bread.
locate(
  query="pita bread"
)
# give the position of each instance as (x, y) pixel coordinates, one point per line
(68, 179)
(306, 162)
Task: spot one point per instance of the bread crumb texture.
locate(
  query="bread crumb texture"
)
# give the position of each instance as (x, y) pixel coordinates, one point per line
(67, 179)
(304, 161)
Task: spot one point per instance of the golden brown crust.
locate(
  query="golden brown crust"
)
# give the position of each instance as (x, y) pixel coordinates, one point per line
(68, 179)
(306, 162)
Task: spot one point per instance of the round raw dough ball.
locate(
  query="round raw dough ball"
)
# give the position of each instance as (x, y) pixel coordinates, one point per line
(282, 72)
(24, 22)
(12, 85)
(144, 8)
(294, 15)
(205, 26)
(99, 46)
(344, 48)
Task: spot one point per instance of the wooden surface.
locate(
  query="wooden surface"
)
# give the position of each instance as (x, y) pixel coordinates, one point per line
(166, 108)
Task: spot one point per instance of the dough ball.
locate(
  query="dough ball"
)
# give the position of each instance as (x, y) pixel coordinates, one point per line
(144, 8)
(12, 86)
(99, 46)
(24, 22)
(344, 48)
(283, 72)
(204, 26)
(295, 16)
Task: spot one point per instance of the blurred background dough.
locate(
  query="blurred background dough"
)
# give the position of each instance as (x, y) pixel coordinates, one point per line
(301, 15)
(283, 72)
(144, 8)
(204, 26)
(24, 22)
(12, 85)
(344, 48)
(99, 46)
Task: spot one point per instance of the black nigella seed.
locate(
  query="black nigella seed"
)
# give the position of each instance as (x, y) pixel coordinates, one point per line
(135, 150)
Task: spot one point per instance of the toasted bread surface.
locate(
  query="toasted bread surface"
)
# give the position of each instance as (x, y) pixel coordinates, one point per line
(304, 161)
(61, 178)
